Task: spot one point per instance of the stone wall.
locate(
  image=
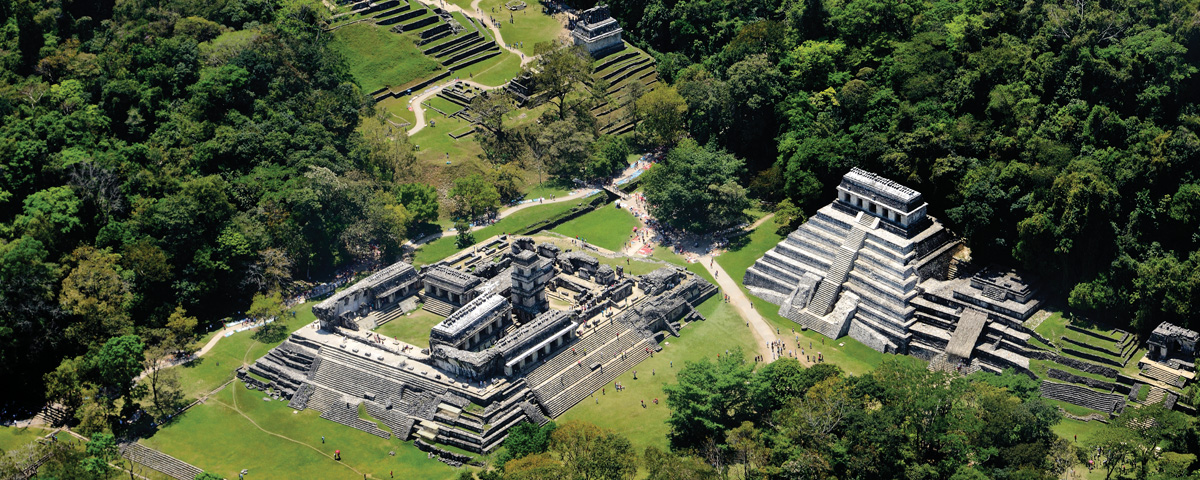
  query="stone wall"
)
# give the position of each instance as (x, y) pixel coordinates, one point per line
(867, 336)
(1070, 377)
(1092, 357)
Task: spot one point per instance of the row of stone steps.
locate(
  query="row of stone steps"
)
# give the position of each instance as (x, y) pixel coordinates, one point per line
(437, 307)
(168, 465)
(1083, 396)
(580, 365)
(1156, 395)
(557, 363)
(384, 316)
(1161, 375)
(598, 378)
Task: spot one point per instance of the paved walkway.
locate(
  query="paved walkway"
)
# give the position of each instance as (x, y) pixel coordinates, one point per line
(763, 332)
(419, 111)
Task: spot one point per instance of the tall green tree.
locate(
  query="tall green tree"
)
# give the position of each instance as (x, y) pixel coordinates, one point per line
(696, 188)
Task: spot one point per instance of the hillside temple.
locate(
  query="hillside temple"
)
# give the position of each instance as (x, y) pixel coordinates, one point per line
(874, 265)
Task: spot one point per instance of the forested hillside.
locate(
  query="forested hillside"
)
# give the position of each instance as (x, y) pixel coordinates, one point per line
(165, 160)
(1057, 135)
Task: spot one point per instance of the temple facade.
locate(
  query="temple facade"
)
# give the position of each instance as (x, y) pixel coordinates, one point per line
(597, 31)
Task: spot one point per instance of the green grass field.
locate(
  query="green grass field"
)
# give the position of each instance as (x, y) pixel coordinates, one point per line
(645, 427)
(379, 58)
(445, 246)
(545, 189)
(607, 227)
(412, 328)
(398, 108)
(529, 26)
(13, 437)
(217, 366)
(847, 353)
(497, 72)
(237, 430)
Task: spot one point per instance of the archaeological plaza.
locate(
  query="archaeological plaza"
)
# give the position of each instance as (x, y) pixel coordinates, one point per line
(529, 331)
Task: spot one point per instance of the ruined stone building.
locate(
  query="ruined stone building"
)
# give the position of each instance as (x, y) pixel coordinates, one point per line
(597, 31)
(501, 356)
(874, 265)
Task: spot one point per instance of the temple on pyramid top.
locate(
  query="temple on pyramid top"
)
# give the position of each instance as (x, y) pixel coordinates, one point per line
(875, 266)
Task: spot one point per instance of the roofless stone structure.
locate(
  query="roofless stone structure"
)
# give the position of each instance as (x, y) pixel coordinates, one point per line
(875, 266)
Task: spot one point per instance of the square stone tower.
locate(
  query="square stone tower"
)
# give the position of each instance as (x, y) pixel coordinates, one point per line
(531, 272)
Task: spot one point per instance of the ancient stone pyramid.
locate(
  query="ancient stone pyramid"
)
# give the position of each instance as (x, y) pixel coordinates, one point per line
(853, 267)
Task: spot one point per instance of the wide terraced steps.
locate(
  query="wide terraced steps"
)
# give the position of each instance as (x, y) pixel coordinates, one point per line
(385, 371)
(558, 403)
(578, 366)
(1156, 395)
(381, 317)
(1082, 396)
(335, 407)
(586, 343)
(168, 465)
(437, 307)
(1161, 375)
(356, 382)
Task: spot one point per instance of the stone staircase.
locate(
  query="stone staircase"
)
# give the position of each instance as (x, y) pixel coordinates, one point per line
(333, 406)
(829, 287)
(287, 366)
(588, 343)
(380, 317)
(1156, 395)
(1084, 397)
(437, 307)
(941, 363)
(154, 459)
(1161, 375)
(593, 380)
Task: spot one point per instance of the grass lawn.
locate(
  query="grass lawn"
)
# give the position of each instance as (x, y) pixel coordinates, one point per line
(530, 25)
(496, 70)
(1055, 326)
(12, 437)
(435, 142)
(237, 430)
(607, 227)
(555, 187)
(623, 412)
(444, 247)
(747, 249)
(204, 374)
(398, 108)
(853, 356)
(412, 328)
(379, 58)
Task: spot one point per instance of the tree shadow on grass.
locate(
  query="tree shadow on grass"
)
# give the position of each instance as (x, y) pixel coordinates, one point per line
(193, 363)
(739, 242)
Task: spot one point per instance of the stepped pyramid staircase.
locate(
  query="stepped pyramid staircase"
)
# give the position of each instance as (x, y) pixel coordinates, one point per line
(154, 459)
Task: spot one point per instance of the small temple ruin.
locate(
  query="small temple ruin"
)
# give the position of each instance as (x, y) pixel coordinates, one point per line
(529, 331)
(597, 31)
